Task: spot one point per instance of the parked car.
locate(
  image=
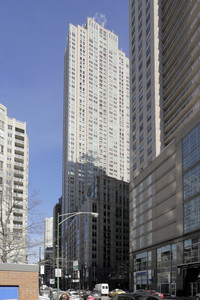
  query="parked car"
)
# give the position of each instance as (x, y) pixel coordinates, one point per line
(45, 292)
(86, 294)
(197, 296)
(147, 295)
(74, 295)
(116, 292)
(53, 294)
(158, 293)
(126, 296)
(138, 295)
(96, 294)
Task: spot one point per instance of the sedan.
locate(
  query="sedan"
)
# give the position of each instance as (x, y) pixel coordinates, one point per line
(116, 292)
(157, 293)
(74, 296)
(136, 296)
(147, 295)
(197, 296)
(96, 295)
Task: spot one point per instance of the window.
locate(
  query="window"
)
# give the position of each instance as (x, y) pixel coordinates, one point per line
(148, 95)
(149, 117)
(149, 105)
(149, 150)
(149, 139)
(149, 83)
(148, 72)
(149, 128)
(141, 159)
(148, 61)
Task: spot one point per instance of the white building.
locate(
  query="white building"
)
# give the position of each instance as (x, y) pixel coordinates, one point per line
(14, 157)
(96, 110)
(48, 233)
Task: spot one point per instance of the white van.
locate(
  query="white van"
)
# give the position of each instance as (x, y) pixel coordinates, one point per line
(102, 288)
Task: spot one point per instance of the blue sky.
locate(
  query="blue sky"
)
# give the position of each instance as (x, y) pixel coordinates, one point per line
(33, 36)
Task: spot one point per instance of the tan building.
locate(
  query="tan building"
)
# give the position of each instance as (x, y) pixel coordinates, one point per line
(164, 74)
(14, 158)
(164, 217)
(164, 105)
(19, 281)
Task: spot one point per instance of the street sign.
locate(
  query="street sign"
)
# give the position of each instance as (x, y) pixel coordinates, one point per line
(75, 265)
(42, 269)
(52, 281)
(75, 280)
(58, 272)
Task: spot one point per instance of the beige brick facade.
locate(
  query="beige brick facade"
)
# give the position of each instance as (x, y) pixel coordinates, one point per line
(23, 276)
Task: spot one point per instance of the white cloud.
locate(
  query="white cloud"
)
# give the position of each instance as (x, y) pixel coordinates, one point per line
(100, 18)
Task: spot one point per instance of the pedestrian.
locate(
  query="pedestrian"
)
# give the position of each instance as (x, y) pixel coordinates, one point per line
(64, 296)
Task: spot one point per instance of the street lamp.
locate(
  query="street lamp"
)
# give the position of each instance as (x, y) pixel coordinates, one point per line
(69, 215)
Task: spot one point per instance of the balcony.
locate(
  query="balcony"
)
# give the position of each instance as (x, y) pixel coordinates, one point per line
(19, 154)
(18, 210)
(17, 133)
(19, 164)
(170, 135)
(169, 25)
(18, 218)
(19, 158)
(174, 85)
(17, 226)
(168, 8)
(174, 117)
(175, 95)
(183, 61)
(19, 141)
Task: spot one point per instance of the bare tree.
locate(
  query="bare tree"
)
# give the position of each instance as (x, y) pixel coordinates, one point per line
(19, 215)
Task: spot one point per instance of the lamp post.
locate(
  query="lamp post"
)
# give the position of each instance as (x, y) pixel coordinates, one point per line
(69, 215)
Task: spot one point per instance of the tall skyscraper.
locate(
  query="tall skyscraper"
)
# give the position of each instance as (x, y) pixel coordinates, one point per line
(96, 110)
(165, 110)
(48, 232)
(164, 74)
(14, 156)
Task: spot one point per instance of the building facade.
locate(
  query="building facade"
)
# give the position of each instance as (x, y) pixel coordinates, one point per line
(96, 113)
(101, 245)
(164, 218)
(14, 162)
(48, 232)
(146, 131)
(164, 110)
(164, 74)
(96, 110)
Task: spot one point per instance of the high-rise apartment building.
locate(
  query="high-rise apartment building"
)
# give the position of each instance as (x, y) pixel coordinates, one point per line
(164, 105)
(14, 156)
(101, 245)
(146, 131)
(48, 232)
(164, 74)
(96, 110)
